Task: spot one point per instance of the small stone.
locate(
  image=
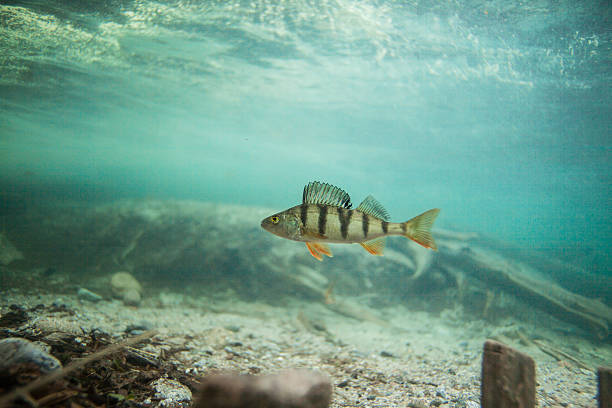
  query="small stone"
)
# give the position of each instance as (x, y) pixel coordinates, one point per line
(127, 288)
(15, 350)
(140, 326)
(295, 389)
(171, 393)
(441, 392)
(386, 354)
(231, 351)
(416, 403)
(88, 295)
(343, 383)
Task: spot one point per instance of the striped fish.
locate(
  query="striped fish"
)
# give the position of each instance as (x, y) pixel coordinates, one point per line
(325, 216)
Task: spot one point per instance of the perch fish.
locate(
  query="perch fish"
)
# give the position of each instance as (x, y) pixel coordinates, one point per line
(325, 216)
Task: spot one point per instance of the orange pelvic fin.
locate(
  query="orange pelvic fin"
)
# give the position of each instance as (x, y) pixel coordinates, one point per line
(317, 248)
(375, 246)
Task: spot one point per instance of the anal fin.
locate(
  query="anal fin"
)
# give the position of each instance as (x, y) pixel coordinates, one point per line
(374, 246)
(317, 248)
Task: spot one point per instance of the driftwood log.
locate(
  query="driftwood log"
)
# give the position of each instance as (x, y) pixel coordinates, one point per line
(523, 281)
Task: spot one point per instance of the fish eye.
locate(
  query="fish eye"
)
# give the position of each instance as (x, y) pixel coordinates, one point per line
(274, 219)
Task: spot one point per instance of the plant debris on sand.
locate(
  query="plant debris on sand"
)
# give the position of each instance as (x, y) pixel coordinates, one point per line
(98, 372)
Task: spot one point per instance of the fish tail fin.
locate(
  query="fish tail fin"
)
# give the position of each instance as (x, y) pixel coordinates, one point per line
(418, 228)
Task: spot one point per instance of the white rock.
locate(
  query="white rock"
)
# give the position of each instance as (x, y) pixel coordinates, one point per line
(172, 394)
(127, 288)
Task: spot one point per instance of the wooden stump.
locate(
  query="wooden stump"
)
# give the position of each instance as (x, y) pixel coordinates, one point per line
(508, 377)
(604, 377)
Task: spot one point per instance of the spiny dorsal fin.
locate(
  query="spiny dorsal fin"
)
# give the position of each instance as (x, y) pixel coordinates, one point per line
(326, 194)
(372, 207)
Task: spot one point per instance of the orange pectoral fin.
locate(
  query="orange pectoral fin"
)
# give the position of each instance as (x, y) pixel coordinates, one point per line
(375, 246)
(316, 249)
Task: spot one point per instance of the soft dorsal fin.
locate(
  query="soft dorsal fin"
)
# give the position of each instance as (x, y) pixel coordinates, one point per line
(372, 207)
(326, 194)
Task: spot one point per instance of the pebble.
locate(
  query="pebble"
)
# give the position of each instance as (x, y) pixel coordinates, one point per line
(343, 383)
(86, 294)
(172, 394)
(126, 288)
(139, 327)
(60, 303)
(15, 350)
(467, 404)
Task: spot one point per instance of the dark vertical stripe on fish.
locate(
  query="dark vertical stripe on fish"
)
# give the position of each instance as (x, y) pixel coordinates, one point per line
(322, 218)
(365, 224)
(385, 226)
(304, 214)
(404, 227)
(345, 220)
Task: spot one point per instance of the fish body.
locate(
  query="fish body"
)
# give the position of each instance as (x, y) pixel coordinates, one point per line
(325, 216)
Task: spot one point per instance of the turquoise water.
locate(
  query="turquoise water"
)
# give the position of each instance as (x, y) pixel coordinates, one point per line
(150, 138)
(497, 112)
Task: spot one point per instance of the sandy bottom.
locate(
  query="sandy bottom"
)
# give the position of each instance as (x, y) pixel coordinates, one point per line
(418, 360)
